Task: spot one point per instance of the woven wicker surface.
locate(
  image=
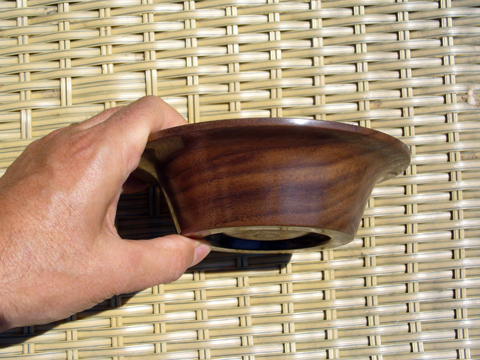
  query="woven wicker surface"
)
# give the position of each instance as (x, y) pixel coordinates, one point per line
(408, 287)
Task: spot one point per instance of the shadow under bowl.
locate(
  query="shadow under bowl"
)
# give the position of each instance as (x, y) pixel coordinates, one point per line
(270, 185)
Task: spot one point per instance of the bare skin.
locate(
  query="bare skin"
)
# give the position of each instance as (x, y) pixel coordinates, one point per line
(59, 251)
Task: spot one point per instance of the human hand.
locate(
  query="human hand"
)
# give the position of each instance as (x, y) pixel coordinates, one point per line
(59, 250)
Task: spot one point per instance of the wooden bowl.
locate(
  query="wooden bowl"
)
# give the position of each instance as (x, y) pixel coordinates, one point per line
(270, 185)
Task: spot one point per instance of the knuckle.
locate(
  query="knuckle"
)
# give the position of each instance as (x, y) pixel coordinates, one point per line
(80, 143)
(151, 101)
(51, 138)
(80, 147)
(68, 154)
(151, 98)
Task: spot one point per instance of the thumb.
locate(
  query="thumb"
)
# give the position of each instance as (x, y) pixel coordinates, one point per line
(140, 264)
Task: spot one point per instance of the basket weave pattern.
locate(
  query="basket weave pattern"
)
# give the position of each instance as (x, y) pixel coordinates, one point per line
(408, 287)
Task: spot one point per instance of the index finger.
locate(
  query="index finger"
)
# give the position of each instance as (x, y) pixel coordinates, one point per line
(128, 129)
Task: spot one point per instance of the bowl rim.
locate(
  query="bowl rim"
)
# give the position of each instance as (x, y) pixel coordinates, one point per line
(201, 127)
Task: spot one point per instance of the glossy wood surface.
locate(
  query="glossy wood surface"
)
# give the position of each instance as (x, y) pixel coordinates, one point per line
(236, 179)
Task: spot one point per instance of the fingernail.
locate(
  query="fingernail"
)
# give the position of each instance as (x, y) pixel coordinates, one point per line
(201, 251)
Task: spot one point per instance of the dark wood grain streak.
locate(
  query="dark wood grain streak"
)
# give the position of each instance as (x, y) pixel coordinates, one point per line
(270, 172)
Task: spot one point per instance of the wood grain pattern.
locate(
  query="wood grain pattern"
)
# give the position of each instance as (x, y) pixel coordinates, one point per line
(270, 184)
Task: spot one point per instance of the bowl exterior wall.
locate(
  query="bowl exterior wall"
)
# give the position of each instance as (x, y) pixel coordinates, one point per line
(268, 177)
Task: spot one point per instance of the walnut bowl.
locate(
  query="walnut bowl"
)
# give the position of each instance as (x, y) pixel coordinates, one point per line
(270, 185)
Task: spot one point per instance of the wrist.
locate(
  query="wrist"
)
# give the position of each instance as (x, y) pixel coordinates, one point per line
(6, 271)
(4, 323)
(6, 310)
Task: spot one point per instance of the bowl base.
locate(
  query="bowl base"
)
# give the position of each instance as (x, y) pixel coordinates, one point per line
(229, 243)
(273, 239)
(265, 233)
